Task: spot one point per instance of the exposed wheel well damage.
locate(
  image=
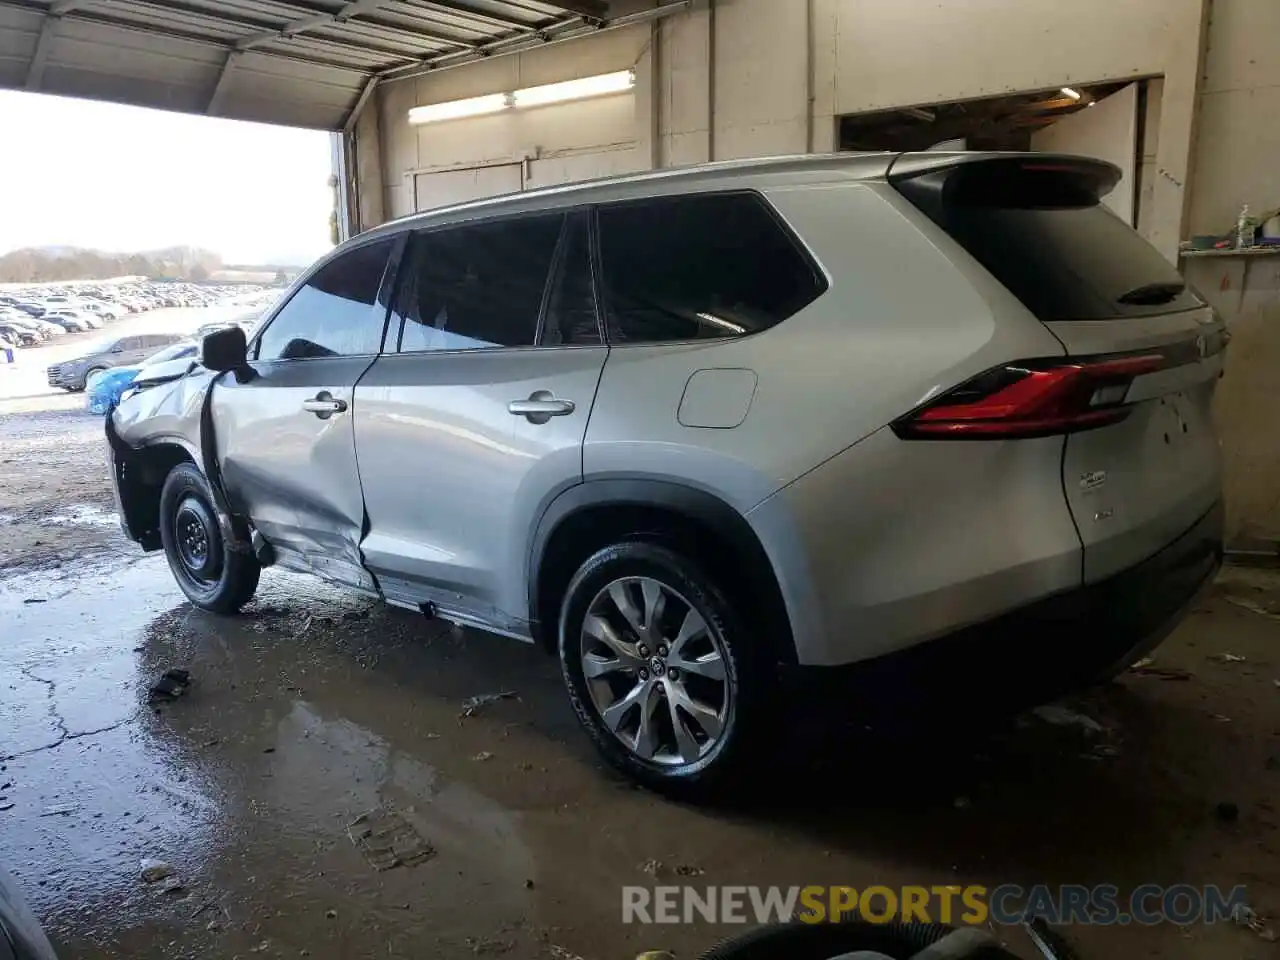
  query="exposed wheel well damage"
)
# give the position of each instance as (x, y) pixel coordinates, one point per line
(140, 477)
(706, 529)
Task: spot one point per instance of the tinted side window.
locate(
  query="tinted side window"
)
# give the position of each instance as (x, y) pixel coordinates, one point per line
(335, 314)
(477, 286)
(700, 266)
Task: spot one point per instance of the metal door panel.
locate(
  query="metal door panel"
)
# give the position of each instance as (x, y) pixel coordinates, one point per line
(293, 472)
(452, 477)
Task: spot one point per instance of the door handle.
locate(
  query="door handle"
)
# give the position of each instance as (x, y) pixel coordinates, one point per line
(324, 405)
(541, 406)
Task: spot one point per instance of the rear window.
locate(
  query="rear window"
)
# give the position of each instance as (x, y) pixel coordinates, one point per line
(1040, 230)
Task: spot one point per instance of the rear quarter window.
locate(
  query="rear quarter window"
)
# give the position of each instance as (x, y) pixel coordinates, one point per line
(700, 266)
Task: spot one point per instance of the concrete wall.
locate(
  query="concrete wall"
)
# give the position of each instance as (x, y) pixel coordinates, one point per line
(755, 77)
(1237, 153)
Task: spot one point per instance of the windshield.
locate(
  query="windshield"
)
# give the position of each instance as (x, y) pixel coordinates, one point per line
(177, 351)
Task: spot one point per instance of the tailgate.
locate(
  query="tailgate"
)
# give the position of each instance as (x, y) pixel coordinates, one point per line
(1150, 467)
(1137, 485)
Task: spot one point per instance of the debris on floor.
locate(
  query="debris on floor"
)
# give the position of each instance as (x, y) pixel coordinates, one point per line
(7, 805)
(473, 705)
(1245, 916)
(1251, 606)
(59, 810)
(171, 685)
(386, 840)
(153, 871)
(560, 953)
(1227, 812)
(1060, 716)
(172, 885)
(1146, 668)
(1227, 658)
(488, 946)
(483, 755)
(656, 955)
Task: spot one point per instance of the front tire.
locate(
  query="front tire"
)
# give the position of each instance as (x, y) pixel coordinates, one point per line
(213, 577)
(661, 673)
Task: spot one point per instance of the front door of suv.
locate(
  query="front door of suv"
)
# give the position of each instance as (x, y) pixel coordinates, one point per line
(286, 440)
(474, 416)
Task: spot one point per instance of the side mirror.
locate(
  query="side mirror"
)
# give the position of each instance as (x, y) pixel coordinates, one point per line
(117, 349)
(224, 349)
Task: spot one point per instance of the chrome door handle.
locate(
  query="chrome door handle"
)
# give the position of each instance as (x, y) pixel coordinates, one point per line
(540, 407)
(324, 405)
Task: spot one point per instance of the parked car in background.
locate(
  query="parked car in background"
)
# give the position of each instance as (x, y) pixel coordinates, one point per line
(68, 323)
(86, 320)
(21, 336)
(104, 354)
(99, 309)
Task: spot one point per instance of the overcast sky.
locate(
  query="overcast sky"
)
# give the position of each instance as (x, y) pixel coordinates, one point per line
(124, 179)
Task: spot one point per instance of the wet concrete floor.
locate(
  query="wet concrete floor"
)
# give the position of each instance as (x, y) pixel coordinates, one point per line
(317, 717)
(316, 707)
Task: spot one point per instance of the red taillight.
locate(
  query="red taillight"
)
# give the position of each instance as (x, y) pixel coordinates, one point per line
(1036, 398)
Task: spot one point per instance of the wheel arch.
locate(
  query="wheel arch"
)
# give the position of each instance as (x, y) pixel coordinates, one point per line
(590, 515)
(140, 473)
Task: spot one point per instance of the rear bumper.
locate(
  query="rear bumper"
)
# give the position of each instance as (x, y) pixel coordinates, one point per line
(1053, 646)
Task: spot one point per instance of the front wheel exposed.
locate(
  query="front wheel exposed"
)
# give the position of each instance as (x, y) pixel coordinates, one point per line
(213, 577)
(661, 674)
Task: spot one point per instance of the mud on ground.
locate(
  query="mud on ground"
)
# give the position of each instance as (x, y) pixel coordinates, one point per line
(55, 493)
(323, 736)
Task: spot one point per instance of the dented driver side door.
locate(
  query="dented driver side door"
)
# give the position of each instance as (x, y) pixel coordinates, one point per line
(285, 436)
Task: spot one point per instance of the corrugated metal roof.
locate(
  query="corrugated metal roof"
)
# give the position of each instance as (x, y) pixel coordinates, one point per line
(297, 62)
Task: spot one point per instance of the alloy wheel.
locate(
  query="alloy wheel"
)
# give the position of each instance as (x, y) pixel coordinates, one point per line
(656, 672)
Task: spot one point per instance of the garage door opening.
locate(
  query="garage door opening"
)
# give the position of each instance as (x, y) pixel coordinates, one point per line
(1116, 122)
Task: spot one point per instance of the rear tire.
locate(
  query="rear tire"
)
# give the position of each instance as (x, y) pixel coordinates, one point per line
(664, 648)
(213, 577)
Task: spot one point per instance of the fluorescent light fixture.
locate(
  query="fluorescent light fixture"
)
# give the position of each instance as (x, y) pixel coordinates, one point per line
(1071, 92)
(580, 89)
(457, 109)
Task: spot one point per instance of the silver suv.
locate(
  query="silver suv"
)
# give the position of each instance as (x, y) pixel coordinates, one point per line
(694, 430)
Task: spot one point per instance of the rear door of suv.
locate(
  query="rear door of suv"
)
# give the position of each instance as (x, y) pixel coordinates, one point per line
(1141, 463)
(474, 416)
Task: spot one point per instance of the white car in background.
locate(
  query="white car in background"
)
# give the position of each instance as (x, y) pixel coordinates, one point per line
(76, 317)
(105, 311)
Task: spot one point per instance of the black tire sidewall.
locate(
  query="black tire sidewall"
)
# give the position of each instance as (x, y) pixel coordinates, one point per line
(239, 575)
(744, 668)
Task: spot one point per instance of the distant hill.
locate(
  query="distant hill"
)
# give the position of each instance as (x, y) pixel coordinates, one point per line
(39, 264)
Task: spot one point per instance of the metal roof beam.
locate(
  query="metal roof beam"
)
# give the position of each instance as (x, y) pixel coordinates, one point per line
(354, 116)
(35, 70)
(295, 27)
(40, 56)
(571, 28)
(589, 9)
(220, 88)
